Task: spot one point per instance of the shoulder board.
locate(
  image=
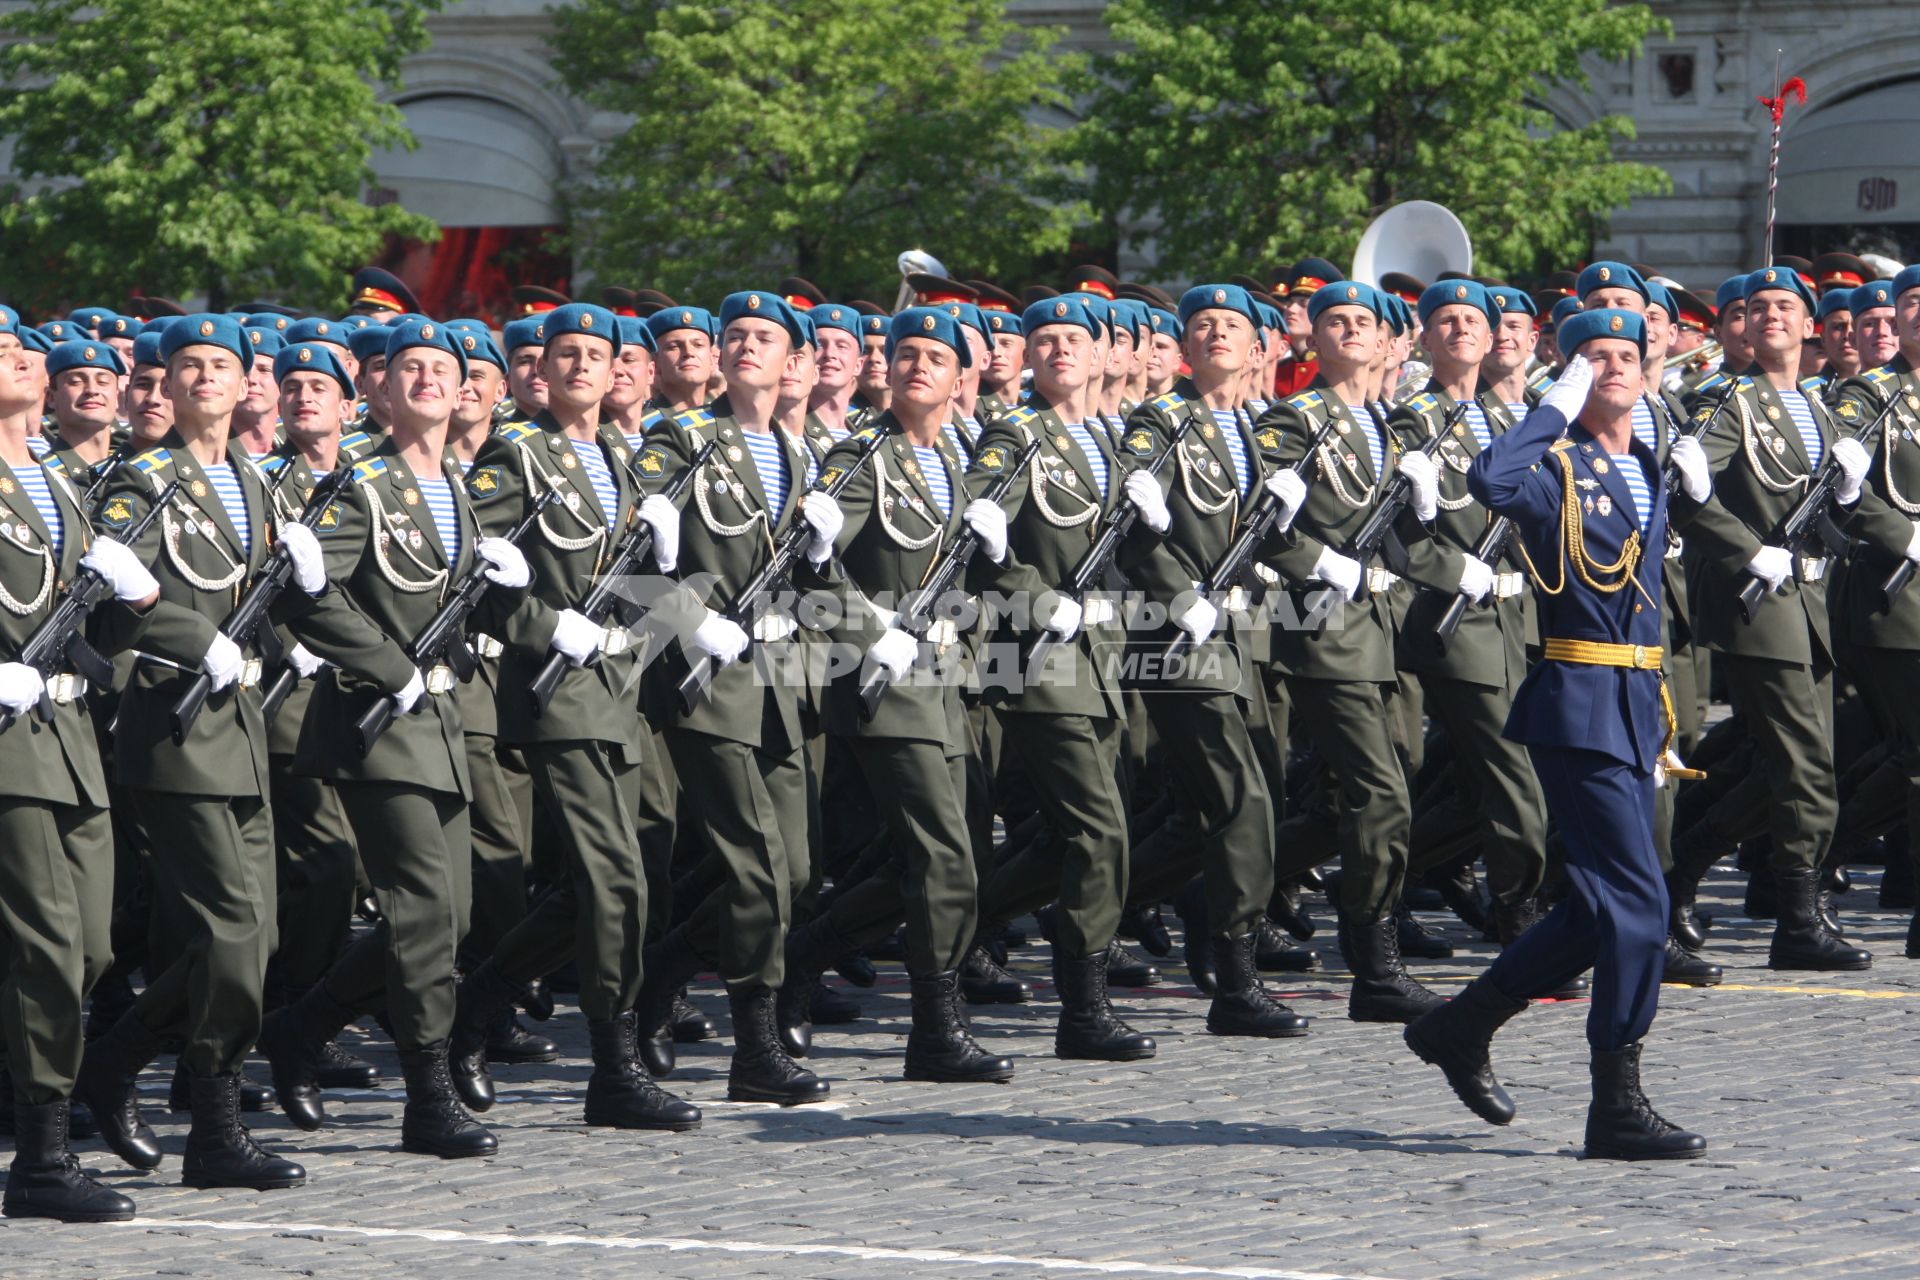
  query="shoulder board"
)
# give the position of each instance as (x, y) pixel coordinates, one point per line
(1305, 400)
(1021, 416)
(152, 460)
(1881, 375)
(653, 419)
(1746, 383)
(1424, 401)
(369, 469)
(1709, 382)
(356, 440)
(1539, 377)
(693, 418)
(1169, 402)
(1814, 383)
(1560, 446)
(866, 433)
(517, 431)
(273, 462)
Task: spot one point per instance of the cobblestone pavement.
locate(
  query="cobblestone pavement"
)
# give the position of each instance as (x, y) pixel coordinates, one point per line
(1334, 1155)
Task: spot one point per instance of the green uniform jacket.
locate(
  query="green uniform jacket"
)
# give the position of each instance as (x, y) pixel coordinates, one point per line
(57, 762)
(1054, 510)
(1760, 469)
(390, 574)
(1884, 521)
(1669, 422)
(196, 553)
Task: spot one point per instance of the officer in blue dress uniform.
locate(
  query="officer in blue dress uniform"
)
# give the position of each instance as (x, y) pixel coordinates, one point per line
(1590, 503)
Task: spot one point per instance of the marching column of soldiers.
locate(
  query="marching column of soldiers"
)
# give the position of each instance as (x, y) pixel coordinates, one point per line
(417, 672)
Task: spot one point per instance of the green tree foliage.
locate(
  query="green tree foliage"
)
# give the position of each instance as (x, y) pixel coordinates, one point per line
(815, 136)
(1244, 133)
(198, 146)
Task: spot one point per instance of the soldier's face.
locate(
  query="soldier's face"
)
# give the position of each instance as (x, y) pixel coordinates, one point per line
(1163, 359)
(873, 364)
(311, 404)
(979, 354)
(632, 377)
(1876, 336)
(1836, 340)
(1617, 377)
(86, 398)
(1510, 344)
(923, 373)
(1732, 326)
(524, 380)
(206, 383)
(1906, 310)
(1348, 336)
(1218, 342)
(797, 377)
(261, 393)
(373, 386)
(1457, 336)
(836, 360)
(1659, 332)
(754, 352)
(1777, 321)
(423, 385)
(1120, 355)
(1009, 357)
(1062, 359)
(578, 370)
(18, 386)
(1616, 298)
(478, 394)
(1299, 329)
(686, 359)
(149, 409)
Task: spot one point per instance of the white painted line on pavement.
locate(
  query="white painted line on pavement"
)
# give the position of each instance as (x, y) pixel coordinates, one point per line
(862, 1253)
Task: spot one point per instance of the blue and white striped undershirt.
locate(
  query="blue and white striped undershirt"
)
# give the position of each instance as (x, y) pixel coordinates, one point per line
(446, 516)
(1801, 411)
(1644, 429)
(933, 473)
(1096, 461)
(594, 463)
(1376, 447)
(39, 446)
(1229, 425)
(770, 459)
(39, 491)
(234, 499)
(1634, 476)
(1478, 424)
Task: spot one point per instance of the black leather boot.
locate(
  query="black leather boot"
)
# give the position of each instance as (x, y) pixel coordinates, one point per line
(1144, 926)
(512, 1044)
(1685, 969)
(811, 949)
(1457, 1037)
(1799, 939)
(537, 1000)
(1762, 901)
(254, 1098)
(1272, 953)
(108, 1073)
(1286, 909)
(1416, 939)
(1124, 969)
(690, 1026)
(1683, 926)
(1913, 937)
(940, 1048)
(45, 1179)
(831, 1006)
(220, 1151)
(1622, 1124)
(1242, 1006)
(984, 982)
(1195, 946)
(1383, 991)
(761, 1070)
(620, 1094)
(478, 999)
(434, 1123)
(668, 964)
(294, 1042)
(1088, 1028)
(341, 1070)
(1466, 898)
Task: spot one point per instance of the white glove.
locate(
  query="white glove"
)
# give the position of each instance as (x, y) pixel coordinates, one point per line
(121, 569)
(505, 564)
(1064, 618)
(1853, 460)
(1568, 394)
(1913, 544)
(824, 517)
(223, 661)
(1690, 460)
(1659, 775)
(1339, 571)
(1143, 491)
(659, 514)
(1476, 579)
(895, 653)
(309, 566)
(989, 524)
(1773, 565)
(575, 635)
(1418, 468)
(20, 686)
(305, 661)
(416, 689)
(721, 639)
(1198, 619)
(1291, 492)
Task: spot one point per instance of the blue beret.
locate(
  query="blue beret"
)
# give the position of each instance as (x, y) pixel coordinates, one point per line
(1160, 320)
(9, 318)
(1099, 310)
(1399, 314)
(929, 322)
(425, 333)
(634, 333)
(1835, 300)
(1133, 315)
(1732, 289)
(999, 322)
(1465, 293)
(1562, 309)
(35, 339)
(476, 341)
(809, 336)
(970, 315)
(527, 331)
(146, 347)
(317, 330)
(1509, 299)
(667, 319)
(1345, 293)
(758, 304)
(836, 315)
(1068, 308)
(873, 326)
(1785, 279)
(1908, 279)
(1658, 295)
(266, 342)
(63, 330)
(1878, 293)
(1269, 316)
(1216, 297)
(311, 357)
(272, 321)
(206, 330)
(120, 327)
(1605, 322)
(355, 322)
(1610, 275)
(84, 354)
(368, 342)
(89, 317)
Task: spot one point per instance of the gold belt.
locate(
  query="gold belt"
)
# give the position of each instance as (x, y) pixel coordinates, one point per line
(1639, 657)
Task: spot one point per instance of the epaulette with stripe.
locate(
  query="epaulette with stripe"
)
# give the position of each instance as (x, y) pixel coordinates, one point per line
(1169, 402)
(515, 432)
(1881, 375)
(1021, 416)
(1540, 378)
(356, 440)
(652, 420)
(1711, 381)
(1424, 401)
(693, 418)
(1814, 384)
(273, 463)
(1304, 400)
(369, 469)
(151, 461)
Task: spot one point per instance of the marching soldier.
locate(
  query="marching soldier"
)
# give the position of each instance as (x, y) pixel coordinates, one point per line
(837, 365)
(84, 397)
(683, 343)
(525, 342)
(871, 390)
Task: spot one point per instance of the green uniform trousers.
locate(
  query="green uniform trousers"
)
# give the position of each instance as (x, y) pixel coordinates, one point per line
(598, 910)
(1075, 766)
(314, 857)
(1893, 676)
(656, 821)
(213, 879)
(499, 853)
(56, 911)
(927, 878)
(1788, 710)
(752, 808)
(1349, 723)
(1496, 778)
(416, 847)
